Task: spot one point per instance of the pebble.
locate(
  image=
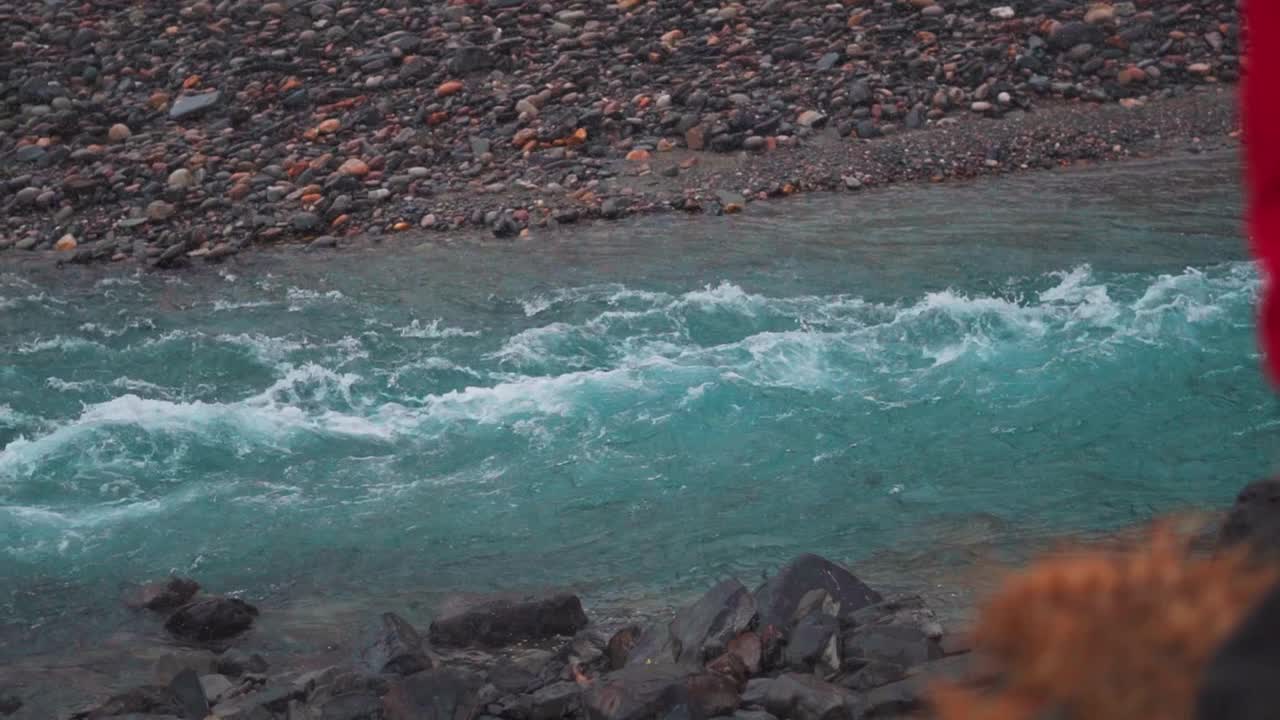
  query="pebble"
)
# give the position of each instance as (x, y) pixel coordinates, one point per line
(811, 119)
(66, 243)
(354, 167)
(187, 106)
(398, 104)
(159, 211)
(304, 221)
(181, 179)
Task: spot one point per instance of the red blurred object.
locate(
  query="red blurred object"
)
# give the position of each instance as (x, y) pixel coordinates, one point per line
(1262, 156)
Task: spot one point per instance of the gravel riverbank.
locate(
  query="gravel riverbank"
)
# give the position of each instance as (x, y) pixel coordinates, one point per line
(172, 133)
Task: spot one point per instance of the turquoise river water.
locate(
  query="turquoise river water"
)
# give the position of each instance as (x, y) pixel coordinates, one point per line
(634, 409)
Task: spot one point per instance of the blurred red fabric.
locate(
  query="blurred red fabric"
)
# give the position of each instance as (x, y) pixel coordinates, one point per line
(1262, 156)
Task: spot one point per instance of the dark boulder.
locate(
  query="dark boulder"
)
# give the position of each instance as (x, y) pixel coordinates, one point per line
(704, 629)
(780, 599)
(10, 704)
(234, 663)
(902, 645)
(712, 695)
(164, 595)
(814, 643)
(212, 619)
(1240, 680)
(896, 610)
(442, 694)
(1254, 518)
(189, 693)
(701, 631)
(621, 645)
(805, 697)
(505, 619)
(637, 692)
(394, 647)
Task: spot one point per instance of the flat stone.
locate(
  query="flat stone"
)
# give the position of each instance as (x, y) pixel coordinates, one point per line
(189, 106)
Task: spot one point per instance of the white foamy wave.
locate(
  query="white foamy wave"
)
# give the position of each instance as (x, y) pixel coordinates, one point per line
(225, 305)
(301, 297)
(266, 348)
(130, 324)
(117, 281)
(58, 343)
(434, 331)
(68, 386)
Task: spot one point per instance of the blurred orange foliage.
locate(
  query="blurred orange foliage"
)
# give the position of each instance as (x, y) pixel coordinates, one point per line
(1106, 634)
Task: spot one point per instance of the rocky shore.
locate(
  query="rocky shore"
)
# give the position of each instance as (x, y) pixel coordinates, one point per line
(168, 133)
(812, 641)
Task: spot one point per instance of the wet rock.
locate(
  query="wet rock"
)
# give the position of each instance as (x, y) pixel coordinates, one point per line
(805, 697)
(779, 599)
(903, 645)
(258, 705)
(145, 700)
(441, 694)
(704, 629)
(235, 663)
(637, 692)
(621, 645)
(814, 643)
(211, 620)
(394, 647)
(191, 106)
(164, 594)
(504, 619)
(897, 610)
(555, 701)
(1254, 518)
(216, 687)
(189, 692)
(711, 695)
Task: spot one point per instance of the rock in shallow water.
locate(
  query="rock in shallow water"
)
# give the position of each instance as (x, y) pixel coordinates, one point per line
(212, 619)
(503, 619)
(164, 595)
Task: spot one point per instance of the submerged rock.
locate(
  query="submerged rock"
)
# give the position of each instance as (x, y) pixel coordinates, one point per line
(164, 594)
(212, 620)
(505, 619)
